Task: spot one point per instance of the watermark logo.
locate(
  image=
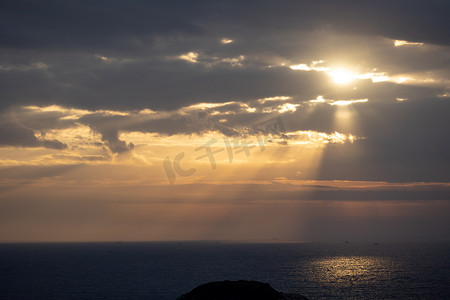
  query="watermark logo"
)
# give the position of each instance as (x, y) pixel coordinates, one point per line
(261, 131)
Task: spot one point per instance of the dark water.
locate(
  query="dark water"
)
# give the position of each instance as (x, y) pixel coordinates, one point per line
(164, 271)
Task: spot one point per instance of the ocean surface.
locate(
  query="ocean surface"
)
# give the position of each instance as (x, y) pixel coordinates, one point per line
(164, 271)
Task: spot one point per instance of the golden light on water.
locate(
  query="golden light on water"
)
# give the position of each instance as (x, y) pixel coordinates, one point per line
(351, 270)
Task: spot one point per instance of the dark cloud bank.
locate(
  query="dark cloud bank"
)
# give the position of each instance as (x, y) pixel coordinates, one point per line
(123, 56)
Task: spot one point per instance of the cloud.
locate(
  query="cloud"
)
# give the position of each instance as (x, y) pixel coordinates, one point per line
(91, 25)
(108, 126)
(14, 132)
(104, 57)
(395, 140)
(399, 43)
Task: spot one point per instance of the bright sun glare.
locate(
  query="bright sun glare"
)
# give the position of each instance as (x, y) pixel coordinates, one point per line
(341, 76)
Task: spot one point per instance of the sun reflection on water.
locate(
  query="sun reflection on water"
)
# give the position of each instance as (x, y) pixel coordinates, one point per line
(351, 270)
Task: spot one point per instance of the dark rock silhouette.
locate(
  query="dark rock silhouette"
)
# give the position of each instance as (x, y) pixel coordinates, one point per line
(238, 290)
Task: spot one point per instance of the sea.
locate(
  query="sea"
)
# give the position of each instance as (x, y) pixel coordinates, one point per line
(166, 270)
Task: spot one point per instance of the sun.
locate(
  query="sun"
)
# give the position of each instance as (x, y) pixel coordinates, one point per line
(341, 76)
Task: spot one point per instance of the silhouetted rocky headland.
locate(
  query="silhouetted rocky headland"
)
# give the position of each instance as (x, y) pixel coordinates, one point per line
(238, 290)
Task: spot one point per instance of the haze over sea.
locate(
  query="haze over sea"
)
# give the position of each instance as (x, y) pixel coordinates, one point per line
(165, 270)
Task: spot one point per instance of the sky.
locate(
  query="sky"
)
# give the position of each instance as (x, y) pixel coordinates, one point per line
(224, 120)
